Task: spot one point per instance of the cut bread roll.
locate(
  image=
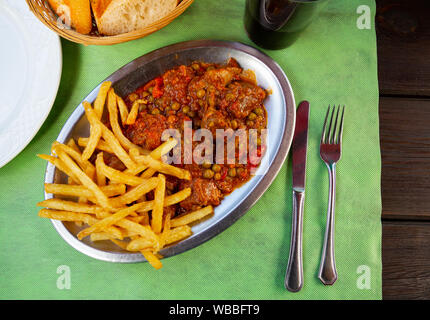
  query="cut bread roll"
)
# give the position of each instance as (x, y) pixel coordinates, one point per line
(120, 16)
(76, 13)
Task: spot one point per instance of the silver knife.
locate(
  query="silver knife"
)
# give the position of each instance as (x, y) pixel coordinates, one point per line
(294, 275)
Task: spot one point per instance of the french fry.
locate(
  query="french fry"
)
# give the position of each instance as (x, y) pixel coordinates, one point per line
(174, 235)
(191, 217)
(84, 179)
(106, 236)
(102, 145)
(122, 245)
(177, 234)
(100, 177)
(75, 216)
(164, 148)
(135, 193)
(145, 220)
(65, 205)
(148, 173)
(166, 231)
(91, 172)
(101, 98)
(134, 228)
(139, 244)
(168, 201)
(85, 165)
(110, 190)
(108, 221)
(131, 119)
(152, 259)
(113, 119)
(72, 144)
(137, 219)
(157, 210)
(59, 164)
(134, 152)
(157, 153)
(164, 168)
(93, 140)
(123, 110)
(100, 236)
(116, 175)
(109, 137)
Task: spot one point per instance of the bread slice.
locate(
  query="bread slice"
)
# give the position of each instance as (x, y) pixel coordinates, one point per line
(120, 16)
(75, 12)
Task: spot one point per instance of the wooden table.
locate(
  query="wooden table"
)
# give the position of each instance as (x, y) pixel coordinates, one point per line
(403, 33)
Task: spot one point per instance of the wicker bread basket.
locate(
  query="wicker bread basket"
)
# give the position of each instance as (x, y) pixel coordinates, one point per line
(44, 13)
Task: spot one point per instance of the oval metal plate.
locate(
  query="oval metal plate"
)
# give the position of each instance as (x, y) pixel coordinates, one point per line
(280, 106)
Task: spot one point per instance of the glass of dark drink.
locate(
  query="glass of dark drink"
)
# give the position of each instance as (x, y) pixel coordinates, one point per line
(276, 24)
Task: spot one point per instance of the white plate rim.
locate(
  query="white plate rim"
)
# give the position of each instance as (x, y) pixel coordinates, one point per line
(50, 95)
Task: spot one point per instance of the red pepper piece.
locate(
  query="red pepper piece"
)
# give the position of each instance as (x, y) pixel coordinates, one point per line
(157, 91)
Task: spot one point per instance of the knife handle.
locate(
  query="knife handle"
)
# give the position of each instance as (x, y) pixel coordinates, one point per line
(294, 275)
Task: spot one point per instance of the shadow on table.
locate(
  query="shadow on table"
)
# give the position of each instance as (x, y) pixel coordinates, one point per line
(69, 76)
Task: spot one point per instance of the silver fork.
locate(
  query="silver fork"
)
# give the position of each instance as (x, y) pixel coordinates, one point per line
(330, 152)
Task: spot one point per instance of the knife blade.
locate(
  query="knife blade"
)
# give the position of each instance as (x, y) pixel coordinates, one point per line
(294, 274)
(299, 146)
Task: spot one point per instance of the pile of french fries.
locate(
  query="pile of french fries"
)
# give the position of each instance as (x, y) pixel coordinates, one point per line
(111, 203)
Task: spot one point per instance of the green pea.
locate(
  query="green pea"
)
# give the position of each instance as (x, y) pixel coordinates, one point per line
(259, 111)
(206, 165)
(201, 93)
(176, 106)
(208, 174)
(232, 172)
(216, 168)
(186, 109)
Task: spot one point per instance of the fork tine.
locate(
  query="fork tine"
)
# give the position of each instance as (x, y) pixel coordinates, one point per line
(330, 126)
(325, 125)
(333, 136)
(339, 137)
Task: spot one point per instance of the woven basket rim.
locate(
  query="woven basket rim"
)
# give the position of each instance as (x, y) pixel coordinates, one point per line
(74, 36)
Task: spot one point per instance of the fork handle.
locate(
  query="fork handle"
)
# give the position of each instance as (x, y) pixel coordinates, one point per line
(294, 275)
(327, 272)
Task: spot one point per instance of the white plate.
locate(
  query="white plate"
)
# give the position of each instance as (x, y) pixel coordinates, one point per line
(30, 64)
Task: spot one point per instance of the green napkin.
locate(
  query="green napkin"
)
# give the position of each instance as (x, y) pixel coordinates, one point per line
(333, 62)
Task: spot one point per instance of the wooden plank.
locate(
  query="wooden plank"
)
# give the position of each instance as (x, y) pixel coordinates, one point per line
(406, 260)
(403, 35)
(405, 153)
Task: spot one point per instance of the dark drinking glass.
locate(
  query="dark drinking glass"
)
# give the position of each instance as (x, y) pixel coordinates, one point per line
(275, 24)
